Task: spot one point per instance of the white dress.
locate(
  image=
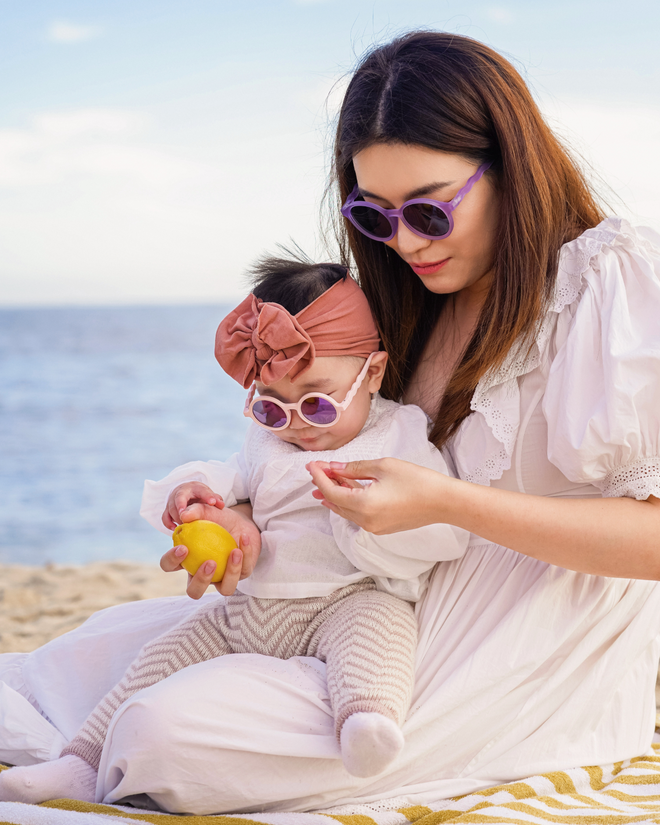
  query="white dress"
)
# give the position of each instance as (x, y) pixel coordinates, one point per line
(523, 667)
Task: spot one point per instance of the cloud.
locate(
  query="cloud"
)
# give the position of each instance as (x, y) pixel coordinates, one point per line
(103, 205)
(498, 14)
(62, 146)
(60, 31)
(615, 140)
(106, 205)
(87, 122)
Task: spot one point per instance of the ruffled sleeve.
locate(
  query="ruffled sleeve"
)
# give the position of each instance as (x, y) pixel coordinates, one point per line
(602, 401)
(226, 478)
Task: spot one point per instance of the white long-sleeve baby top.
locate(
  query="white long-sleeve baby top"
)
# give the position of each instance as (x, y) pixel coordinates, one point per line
(307, 550)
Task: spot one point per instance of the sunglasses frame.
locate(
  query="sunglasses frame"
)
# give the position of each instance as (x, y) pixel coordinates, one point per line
(393, 215)
(286, 408)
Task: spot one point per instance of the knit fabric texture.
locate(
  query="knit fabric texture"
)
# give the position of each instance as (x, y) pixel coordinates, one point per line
(367, 639)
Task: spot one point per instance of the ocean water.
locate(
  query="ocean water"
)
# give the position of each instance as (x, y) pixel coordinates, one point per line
(92, 402)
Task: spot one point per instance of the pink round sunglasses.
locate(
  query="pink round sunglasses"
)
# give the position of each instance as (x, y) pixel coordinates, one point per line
(425, 217)
(316, 409)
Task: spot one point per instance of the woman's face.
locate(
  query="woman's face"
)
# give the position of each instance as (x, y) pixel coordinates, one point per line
(388, 174)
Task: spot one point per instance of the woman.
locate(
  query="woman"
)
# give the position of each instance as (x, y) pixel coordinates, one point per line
(526, 326)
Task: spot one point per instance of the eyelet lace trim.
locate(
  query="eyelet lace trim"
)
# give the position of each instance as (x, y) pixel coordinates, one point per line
(574, 260)
(639, 480)
(370, 808)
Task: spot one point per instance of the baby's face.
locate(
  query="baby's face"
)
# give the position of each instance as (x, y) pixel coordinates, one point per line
(332, 376)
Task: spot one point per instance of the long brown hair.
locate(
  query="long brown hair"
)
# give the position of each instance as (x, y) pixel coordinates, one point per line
(452, 93)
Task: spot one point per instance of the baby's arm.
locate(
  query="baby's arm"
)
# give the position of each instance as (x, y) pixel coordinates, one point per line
(202, 480)
(189, 493)
(193, 500)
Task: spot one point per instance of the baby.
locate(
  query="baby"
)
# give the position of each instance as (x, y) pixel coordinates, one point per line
(305, 345)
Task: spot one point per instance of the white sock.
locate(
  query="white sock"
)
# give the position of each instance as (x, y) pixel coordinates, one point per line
(369, 743)
(69, 777)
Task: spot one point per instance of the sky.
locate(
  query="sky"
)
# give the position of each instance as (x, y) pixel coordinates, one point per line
(150, 150)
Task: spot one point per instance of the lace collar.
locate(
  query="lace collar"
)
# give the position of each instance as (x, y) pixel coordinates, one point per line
(496, 399)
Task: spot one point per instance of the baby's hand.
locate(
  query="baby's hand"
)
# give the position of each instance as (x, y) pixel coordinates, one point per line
(190, 502)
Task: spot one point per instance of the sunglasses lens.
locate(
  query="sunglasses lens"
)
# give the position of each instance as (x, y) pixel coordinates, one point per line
(269, 414)
(427, 219)
(318, 410)
(371, 221)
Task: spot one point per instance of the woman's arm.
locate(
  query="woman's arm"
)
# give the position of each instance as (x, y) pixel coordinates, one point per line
(617, 537)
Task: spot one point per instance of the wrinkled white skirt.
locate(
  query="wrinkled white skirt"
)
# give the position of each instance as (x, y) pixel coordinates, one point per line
(523, 668)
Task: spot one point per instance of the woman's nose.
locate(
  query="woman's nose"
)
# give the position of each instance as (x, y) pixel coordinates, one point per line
(406, 243)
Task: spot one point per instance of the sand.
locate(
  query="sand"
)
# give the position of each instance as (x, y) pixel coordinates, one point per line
(39, 603)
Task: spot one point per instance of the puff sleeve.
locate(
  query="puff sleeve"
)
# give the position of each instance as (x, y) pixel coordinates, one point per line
(602, 402)
(226, 478)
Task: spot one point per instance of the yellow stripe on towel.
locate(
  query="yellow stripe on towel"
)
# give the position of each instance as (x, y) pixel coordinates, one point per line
(623, 793)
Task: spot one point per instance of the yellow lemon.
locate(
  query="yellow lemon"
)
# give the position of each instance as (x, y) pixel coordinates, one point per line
(206, 541)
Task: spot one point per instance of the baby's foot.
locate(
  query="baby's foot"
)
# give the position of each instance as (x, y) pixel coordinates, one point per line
(369, 742)
(69, 777)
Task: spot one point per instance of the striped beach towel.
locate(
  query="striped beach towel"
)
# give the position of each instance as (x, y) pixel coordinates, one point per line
(620, 794)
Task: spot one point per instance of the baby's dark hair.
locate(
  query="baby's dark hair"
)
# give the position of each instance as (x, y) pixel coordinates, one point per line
(293, 283)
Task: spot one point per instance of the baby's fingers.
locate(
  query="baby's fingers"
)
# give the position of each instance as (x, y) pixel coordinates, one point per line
(196, 492)
(168, 520)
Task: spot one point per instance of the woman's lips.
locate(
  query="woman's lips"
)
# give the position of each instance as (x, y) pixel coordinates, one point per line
(428, 269)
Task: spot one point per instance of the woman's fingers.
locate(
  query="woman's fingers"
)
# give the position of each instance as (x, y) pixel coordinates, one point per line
(250, 554)
(400, 495)
(331, 486)
(364, 470)
(233, 572)
(199, 583)
(171, 560)
(236, 519)
(333, 507)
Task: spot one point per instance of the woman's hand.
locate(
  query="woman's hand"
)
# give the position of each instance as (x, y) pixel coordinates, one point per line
(237, 521)
(398, 495)
(590, 535)
(199, 583)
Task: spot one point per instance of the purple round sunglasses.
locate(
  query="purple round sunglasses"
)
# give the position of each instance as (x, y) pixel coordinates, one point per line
(425, 217)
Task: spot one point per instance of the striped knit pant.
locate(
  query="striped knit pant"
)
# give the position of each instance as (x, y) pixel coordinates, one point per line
(366, 638)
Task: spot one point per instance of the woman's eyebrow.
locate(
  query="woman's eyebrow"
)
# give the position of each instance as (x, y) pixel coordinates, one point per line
(420, 192)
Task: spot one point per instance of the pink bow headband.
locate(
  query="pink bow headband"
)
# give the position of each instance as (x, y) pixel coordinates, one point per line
(261, 341)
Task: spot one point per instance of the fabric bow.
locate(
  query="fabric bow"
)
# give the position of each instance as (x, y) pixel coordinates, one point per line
(262, 341)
